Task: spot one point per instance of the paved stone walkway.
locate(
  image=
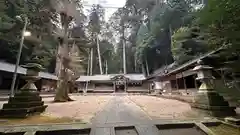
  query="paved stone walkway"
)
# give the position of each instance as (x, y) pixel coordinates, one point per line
(121, 110)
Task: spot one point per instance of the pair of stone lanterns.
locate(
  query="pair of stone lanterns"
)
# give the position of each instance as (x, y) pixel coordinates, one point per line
(207, 99)
(27, 101)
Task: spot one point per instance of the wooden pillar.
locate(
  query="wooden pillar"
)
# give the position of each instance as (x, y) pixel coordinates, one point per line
(86, 87)
(125, 86)
(176, 83)
(150, 89)
(195, 82)
(185, 85)
(171, 86)
(114, 86)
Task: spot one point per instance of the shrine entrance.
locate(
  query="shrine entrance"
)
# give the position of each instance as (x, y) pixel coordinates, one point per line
(120, 87)
(120, 83)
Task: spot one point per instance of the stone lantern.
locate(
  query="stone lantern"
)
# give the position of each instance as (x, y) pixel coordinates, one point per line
(207, 100)
(204, 74)
(27, 101)
(31, 77)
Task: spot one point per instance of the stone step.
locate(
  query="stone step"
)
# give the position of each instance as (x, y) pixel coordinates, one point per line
(232, 120)
(22, 104)
(18, 99)
(27, 93)
(21, 112)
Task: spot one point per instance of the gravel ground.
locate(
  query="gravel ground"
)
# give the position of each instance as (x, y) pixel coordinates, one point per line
(160, 108)
(83, 108)
(118, 108)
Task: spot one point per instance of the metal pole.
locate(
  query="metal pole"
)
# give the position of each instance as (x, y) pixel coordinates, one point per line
(18, 58)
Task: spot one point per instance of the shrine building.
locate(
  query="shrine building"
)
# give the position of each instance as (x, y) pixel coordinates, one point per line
(132, 83)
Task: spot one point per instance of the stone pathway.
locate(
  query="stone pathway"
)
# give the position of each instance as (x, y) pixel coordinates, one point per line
(121, 110)
(117, 108)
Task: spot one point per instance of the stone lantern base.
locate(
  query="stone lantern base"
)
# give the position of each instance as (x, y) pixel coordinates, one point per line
(211, 103)
(26, 102)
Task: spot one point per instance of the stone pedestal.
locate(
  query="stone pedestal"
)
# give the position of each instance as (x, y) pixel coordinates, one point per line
(207, 100)
(26, 102)
(212, 104)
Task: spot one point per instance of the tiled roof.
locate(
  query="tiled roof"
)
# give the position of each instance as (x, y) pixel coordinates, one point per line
(172, 68)
(133, 77)
(7, 67)
(10, 68)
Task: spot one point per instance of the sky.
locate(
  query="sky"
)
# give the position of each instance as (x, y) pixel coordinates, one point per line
(105, 3)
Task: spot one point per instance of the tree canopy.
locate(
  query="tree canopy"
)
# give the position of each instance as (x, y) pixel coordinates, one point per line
(173, 31)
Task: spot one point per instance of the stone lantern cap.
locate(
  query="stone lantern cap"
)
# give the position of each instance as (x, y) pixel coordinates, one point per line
(33, 66)
(201, 66)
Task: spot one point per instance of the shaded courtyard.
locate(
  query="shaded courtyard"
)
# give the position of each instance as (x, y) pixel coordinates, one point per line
(106, 109)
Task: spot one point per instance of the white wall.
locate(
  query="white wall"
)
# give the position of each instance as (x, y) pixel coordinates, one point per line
(158, 85)
(164, 85)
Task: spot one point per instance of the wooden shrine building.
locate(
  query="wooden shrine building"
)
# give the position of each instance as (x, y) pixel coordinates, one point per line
(134, 83)
(181, 79)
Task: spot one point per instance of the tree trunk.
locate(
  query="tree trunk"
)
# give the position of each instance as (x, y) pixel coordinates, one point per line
(91, 62)
(99, 56)
(63, 87)
(135, 63)
(106, 67)
(146, 62)
(124, 51)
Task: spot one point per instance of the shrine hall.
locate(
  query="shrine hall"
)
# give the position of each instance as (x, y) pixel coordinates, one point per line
(113, 83)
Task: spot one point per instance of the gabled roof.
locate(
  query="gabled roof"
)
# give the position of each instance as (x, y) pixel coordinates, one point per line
(133, 77)
(7, 67)
(172, 69)
(193, 61)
